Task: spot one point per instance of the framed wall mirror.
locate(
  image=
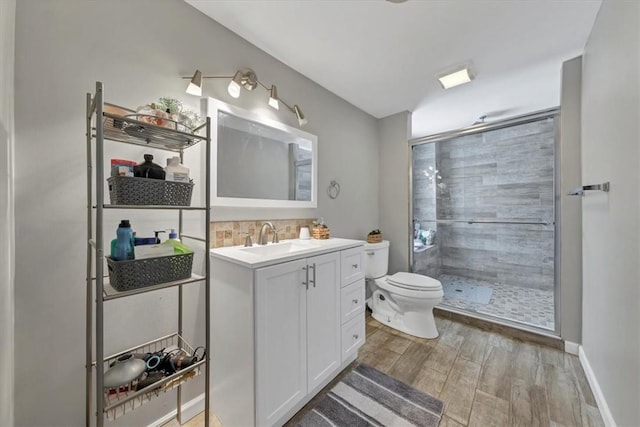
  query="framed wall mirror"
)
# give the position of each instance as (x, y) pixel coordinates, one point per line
(259, 162)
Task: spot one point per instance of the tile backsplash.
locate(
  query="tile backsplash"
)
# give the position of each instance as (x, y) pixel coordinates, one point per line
(232, 233)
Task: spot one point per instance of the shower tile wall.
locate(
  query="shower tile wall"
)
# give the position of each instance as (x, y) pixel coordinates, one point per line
(505, 174)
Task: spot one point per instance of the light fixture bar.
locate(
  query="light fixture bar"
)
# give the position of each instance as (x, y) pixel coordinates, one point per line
(244, 78)
(456, 78)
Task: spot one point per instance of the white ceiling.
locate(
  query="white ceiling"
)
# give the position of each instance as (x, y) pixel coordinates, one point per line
(383, 57)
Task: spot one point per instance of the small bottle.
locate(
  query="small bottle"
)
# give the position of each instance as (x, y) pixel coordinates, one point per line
(124, 248)
(176, 171)
(148, 169)
(178, 247)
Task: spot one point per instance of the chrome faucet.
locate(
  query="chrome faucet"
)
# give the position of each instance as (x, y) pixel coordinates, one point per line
(262, 238)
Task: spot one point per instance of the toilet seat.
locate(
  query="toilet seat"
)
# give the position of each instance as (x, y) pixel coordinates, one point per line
(414, 282)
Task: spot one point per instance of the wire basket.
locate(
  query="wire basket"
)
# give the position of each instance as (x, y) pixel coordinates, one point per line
(120, 400)
(126, 190)
(140, 273)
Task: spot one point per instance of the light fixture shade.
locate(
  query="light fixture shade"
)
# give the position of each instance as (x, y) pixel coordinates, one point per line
(301, 120)
(456, 78)
(234, 86)
(273, 97)
(195, 85)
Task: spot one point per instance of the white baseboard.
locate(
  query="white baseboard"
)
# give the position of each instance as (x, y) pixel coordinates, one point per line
(189, 410)
(571, 347)
(595, 388)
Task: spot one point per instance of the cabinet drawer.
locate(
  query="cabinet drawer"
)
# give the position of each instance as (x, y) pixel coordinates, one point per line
(352, 336)
(352, 300)
(351, 267)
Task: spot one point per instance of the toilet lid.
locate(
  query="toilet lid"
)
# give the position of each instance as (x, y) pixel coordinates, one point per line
(414, 281)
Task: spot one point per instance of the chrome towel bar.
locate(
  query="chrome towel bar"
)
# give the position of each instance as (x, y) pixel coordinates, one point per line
(580, 191)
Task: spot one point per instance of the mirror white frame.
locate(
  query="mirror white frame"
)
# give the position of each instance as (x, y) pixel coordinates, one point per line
(210, 107)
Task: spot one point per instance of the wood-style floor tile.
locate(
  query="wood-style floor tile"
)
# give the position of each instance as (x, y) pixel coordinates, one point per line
(563, 397)
(448, 422)
(474, 345)
(583, 384)
(442, 357)
(528, 405)
(429, 381)
(493, 380)
(410, 363)
(459, 390)
(489, 411)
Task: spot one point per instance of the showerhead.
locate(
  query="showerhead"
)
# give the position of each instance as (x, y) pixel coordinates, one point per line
(493, 115)
(480, 120)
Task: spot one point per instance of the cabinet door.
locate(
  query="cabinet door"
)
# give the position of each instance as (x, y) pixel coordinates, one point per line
(323, 318)
(281, 340)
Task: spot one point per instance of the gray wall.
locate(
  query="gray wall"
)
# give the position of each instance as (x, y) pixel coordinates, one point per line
(569, 208)
(504, 175)
(610, 221)
(394, 187)
(7, 147)
(139, 50)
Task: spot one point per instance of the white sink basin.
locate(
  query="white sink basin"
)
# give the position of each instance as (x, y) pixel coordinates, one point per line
(258, 256)
(284, 248)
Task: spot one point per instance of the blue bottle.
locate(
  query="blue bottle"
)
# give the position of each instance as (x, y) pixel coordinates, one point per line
(124, 247)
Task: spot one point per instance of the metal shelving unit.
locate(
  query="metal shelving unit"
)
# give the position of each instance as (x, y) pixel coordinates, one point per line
(128, 129)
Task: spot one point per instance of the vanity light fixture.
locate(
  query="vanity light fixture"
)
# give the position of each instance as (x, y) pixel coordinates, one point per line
(244, 78)
(458, 77)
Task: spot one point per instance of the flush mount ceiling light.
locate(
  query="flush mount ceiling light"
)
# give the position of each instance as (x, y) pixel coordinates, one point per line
(456, 78)
(244, 78)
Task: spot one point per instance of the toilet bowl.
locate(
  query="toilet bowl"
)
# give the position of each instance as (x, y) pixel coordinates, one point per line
(403, 301)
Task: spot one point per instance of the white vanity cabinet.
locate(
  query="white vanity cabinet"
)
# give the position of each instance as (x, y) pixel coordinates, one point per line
(279, 333)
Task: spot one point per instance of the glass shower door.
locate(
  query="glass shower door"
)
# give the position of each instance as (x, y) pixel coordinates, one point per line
(483, 211)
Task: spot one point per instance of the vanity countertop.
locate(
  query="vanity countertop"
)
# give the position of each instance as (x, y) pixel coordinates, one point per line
(258, 256)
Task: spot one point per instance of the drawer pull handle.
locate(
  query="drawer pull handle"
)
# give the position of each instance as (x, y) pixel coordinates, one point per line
(355, 301)
(354, 265)
(356, 336)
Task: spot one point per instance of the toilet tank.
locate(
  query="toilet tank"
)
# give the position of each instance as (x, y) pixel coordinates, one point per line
(376, 259)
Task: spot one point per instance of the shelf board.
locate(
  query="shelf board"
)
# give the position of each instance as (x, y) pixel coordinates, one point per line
(155, 207)
(110, 293)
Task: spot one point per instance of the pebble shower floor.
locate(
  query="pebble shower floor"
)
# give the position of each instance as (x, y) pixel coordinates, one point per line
(533, 307)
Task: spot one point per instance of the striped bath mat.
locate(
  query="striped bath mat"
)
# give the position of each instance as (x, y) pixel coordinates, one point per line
(367, 397)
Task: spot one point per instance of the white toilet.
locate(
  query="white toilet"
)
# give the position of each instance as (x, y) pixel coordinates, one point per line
(403, 301)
